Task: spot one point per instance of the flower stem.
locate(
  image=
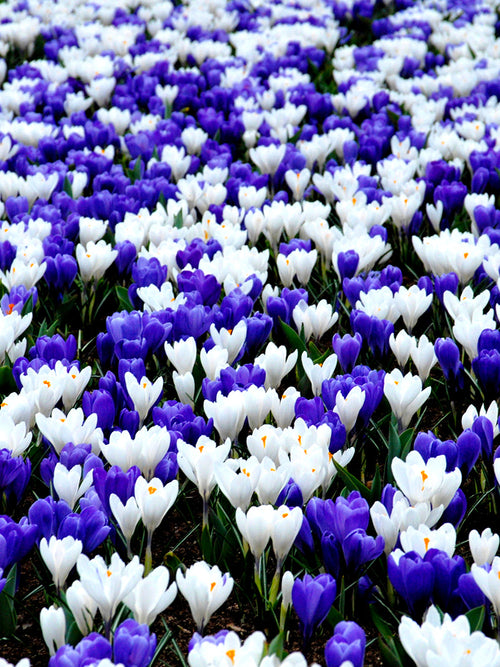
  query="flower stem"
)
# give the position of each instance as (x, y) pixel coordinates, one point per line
(148, 559)
(275, 585)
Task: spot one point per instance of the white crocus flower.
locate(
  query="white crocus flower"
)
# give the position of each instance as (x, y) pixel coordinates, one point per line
(283, 409)
(230, 651)
(467, 304)
(94, 259)
(59, 428)
(154, 500)
(256, 528)
(109, 584)
(232, 340)
(422, 481)
(127, 516)
(489, 582)
(318, 373)
(422, 539)
(151, 596)
(198, 464)
(443, 641)
(182, 354)
(82, 606)
(467, 331)
(276, 363)
(238, 487)
(145, 450)
(268, 158)
(265, 441)
(68, 484)
(285, 528)
(412, 303)
(228, 413)
(405, 395)
(214, 361)
(483, 547)
(401, 346)
(258, 403)
(53, 624)
(315, 319)
(379, 303)
(185, 387)
(60, 557)
(297, 182)
(13, 436)
(143, 394)
(423, 356)
(348, 408)
(403, 515)
(206, 589)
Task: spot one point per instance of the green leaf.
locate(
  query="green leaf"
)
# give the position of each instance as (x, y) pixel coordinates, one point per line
(67, 187)
(393, 117)
(7, 382)
(178, 220)
(376, 488)
(394, 446)
(317, 356)
(352, 483)
(314, 351)
(173, 562)
(206, 544)
(390, 654)
(334, 617)
(46, 330)
(135, 173)
(476, 618)
(8, 616)
(277, 646)
(73, 634)
(382, 626)
(124, 301)
(293, 338)
(406, 439)
(399, 446)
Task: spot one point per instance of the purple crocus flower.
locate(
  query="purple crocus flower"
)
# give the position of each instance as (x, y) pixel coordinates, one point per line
(312, 599)
(360, 548)
(347, 349)
(448, 355)
(15, 473)
(347, 644)
(90, 650)
(16, 540)
(116, 481)
(133, 645)
(413, 578)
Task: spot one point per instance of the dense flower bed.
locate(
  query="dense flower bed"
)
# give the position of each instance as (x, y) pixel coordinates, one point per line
(249, 343)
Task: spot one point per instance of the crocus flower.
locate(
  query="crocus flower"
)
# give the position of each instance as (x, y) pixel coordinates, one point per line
(446, 641)
(53, 623)
(151, 595)
(133, 644)
(483, 547)
(60, 557)
(312, 599)
(405, 395)
(108, 584)
(206, 589)
(347, 644)
(489, 582)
